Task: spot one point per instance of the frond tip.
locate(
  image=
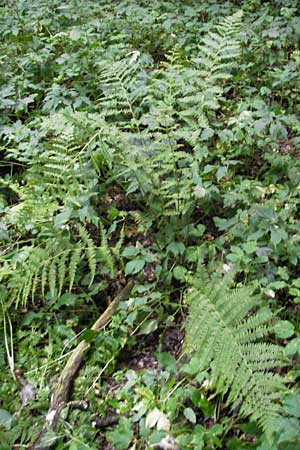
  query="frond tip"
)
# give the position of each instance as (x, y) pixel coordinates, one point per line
(223, 334)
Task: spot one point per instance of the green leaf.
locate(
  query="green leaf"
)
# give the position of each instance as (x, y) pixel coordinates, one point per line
(130, 251)
(157, 418)
(148, 327)
(63, 217)
(284, 329)
(167, 361)
(177, 248)
(206, 134)
(290, 430)
(190, 415)
(75, 35)
(278, 235)
(179, 272)
(134, 266)
(260, 125)
(292, 405)
(89, 335)
(7, 420)
(49, 439)
(122, 434)
(76, 445)
(293, 347)
(250, 247)
(222, 172)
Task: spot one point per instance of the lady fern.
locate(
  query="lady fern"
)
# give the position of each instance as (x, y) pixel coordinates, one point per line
(159, 140)
(225, 332)
(50, 266)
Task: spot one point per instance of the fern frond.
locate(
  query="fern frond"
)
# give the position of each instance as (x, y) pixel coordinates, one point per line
(105, 250)
(52, 277)
(116, 250)
(61, 271)
(116, 81)
(74, 261)
(224, 334)
(44, 277)
(90, 251)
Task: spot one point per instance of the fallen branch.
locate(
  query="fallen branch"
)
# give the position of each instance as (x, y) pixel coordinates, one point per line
(61, 390)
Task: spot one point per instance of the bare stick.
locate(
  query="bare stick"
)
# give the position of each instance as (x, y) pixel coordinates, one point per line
(61, 389)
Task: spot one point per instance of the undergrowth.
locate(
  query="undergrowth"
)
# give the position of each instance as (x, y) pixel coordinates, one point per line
(161, 144)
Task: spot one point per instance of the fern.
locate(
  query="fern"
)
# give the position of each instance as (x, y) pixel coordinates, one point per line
(89, 250)
(53, 264)
(224, 334)
(56, 176)
(105, 250)
(74, 262)
(117, 85)
(179, 102)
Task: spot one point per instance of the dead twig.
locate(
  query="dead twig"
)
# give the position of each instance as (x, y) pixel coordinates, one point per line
(61, 389)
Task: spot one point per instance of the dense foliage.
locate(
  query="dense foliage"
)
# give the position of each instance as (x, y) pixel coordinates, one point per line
(161, 143)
